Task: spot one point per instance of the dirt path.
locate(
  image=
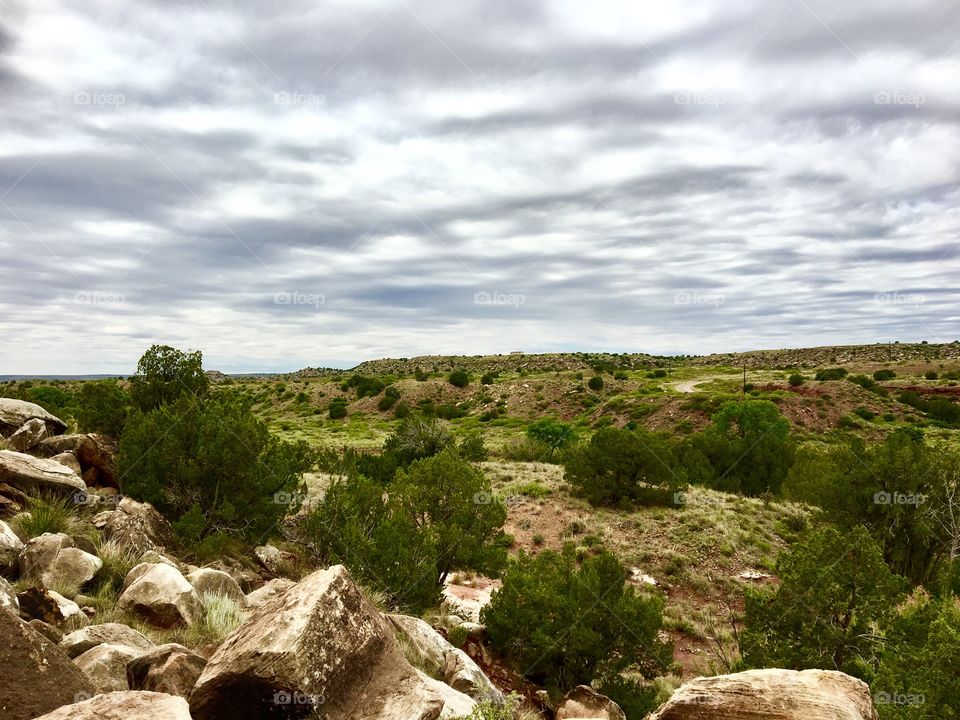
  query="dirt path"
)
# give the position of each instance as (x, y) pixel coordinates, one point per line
(689, 386)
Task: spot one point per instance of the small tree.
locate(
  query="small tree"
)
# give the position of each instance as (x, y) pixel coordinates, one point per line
(164, 374)
(103, 407)
(553, 435)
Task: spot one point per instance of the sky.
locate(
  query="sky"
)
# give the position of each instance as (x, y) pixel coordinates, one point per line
(312, 183)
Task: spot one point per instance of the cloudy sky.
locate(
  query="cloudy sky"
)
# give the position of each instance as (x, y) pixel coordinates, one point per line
(317, 183)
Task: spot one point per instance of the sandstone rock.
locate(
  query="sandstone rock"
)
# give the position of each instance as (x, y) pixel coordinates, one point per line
(40, 552)
(216, 582)
(270, 590)
(105, 665)
(169, 668)
(52, 608)
(28, 435)
(10, 546)
(584, 703)
(272, 559)
(456, 705)
(135, 524)
(14, 413)
(94, 452)
(319, 641)
(162, 596)
(37, 676)
(72, 567)
(35, 475)
(68, 459)
(8, 597)
(126, 705)
(442, 660)
(79, 641)
(48, 631)
(771, 695)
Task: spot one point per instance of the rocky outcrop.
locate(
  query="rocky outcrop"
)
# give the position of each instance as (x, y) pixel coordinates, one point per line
(319, 642)
(37, 676)
(33, 475)
(162, 596)
(771, 695)
(445, 662)
(28, 435)
(69, 460)
(169, 668)
(79, 641)
(52, 608)
(40, 552)
(127, 705)
(96, 454)
(52, 560)
(135, 524)
(10, 547)
(216, 582)
(105, 665)
(456, 705)
(269, 590)
(14, 413)
(272, 559)
(584, 703)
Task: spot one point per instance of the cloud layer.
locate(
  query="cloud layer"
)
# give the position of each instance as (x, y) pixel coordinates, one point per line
(322, 183)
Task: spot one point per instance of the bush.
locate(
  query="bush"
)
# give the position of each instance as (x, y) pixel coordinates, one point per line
(595, 383)
(563, 626)
(459, 378)
(401, 410)
(416, 438)
(620, 375)
(103, 407)
(337, 409)
(830, 374)
(52, 399)
(881, 375)
(471, 448)
(553, 435)
(421, 375)
(658, 373)
(795, 380)
(212, 466)
(164, 374)
(622, 466)
(864, 413)
(386, 403)
(931, 375)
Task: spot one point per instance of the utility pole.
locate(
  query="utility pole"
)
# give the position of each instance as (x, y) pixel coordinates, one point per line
(744, 379)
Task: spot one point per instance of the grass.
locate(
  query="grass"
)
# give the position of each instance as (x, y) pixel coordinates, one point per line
(221, 616)
(118, 560)
(50, 514)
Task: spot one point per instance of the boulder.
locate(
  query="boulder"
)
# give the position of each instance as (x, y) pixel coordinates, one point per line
(269, 590)
(10, 547)
(96, 454)
(136, 525)
(444, 661)
(28, 435)
(126, 705)
(320, 641)
(169, 668)
(105, 665)
(36, 475)
(40, 552)
(14, 413)
(162, 596)
(48, 631)
(12, 500)
(8, 597)
(52, 608)
(79, 641)
(72, 567)
(584, 703)
(37, 676)
(272, 559)
(456, 705)
(216, 582)
(68, 459)
(771, 695)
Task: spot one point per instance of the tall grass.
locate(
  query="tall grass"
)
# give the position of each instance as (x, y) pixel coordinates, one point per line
(221, 616)
(50, 514)
(118, 560)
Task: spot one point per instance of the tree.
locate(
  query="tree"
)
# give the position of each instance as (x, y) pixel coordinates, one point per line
(212, 467)
(563, 626)
(834, 588)
(748, 448)
(619, 466)
(164, 374)
(416, 438)
(553, 435)
(103, 407)
(459, 378)
(595, 383)
(795, 380)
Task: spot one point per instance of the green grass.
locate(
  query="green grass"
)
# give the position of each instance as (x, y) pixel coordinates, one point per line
(51, 514)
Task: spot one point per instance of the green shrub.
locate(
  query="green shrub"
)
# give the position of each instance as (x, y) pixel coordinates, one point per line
(53, 400)
(103, 407)
(658, 373)
(830, 374)
(795, 380)
(459, 378)
(164, 374)
(386, 403)
(401, 410)
(552, 435)
(885, 374)
(865, 413)
(488, 378)
(337, 409)
(564, 625)
(595, 383)
(620, 375)
(931, 375)
(471, 448)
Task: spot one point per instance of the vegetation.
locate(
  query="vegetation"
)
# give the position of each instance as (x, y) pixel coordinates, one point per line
(103, 407)
(165, 374)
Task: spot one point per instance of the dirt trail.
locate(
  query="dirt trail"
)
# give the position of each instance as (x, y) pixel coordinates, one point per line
(689, 386)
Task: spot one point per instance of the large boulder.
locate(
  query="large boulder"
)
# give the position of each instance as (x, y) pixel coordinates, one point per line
(444, 661)
(33, 475)
(72, 567)
(106, 666)
(40, 552)
(135, 524)
(169, 668)
(79, 641)
(8, 597)
(771, 695)
(52, 608)
(126, 705)
(268, 591)
(162, 596)
(28, 435)
(584, 703)
(272, 559)
(456, 705)
(37, 676)
(14, 413)
(320, 641)
(95, 453)
(216, 582)
(10, 547)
